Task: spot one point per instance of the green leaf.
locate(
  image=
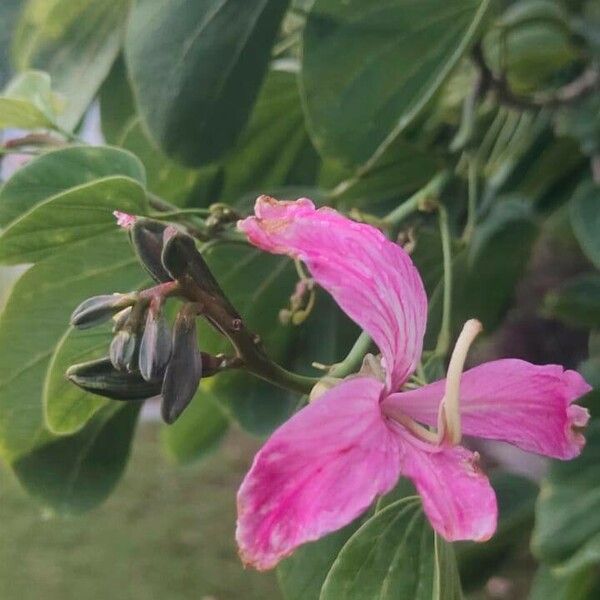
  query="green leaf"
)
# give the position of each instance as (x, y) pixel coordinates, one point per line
(567, 529)
(35, 319)
(577, 301)
(274, 142)
(80, 213)
(302, 575)
(27, 102)
(67, 407)
(75, 473)
(60, 170)
(585, 219)
(165, 177)
(580, 586)
(198, 430)
(195, 87)
(402, 169)
(395, 554)
(369, 68)
(9, 13)
(75, 42)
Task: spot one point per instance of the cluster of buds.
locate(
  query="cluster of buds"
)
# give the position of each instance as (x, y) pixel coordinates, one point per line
(147, 358)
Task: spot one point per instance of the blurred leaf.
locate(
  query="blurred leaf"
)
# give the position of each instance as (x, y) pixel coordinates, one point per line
(67, 407)
(27, 102)
(486, 274)
(585, 219)
(82, 212)
(580, 586)
(195, 87)
(567, 529)
(117, 105)
(402, 169)
(9, 13)
(73, 474)
(197, 431)
(75, 42)
(166, 178)
(302, 575)
(355, 106)
(395, 554)
(60, 170)
(35, 320)
(577, 301)
(272, 144)
(516, 498)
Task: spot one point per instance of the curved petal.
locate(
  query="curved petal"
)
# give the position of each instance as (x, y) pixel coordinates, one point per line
(457, 497)
(371, 278)
(316, 473)
(530, 406)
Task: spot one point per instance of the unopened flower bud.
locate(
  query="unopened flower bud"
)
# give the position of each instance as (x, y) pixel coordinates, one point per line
(147, 240)
(101, 378)
(98, 309)
(155, 347)
(122, 349)
(184, 370)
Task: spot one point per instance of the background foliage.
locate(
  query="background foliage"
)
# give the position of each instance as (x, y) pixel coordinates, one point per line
(397, 112)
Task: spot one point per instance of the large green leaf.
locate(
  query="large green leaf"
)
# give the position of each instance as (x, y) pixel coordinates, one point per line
(58, 171)
(567, 529)
(35, 320)
(302, 575)
(369, 68)
(80, 213)
(197, 431)
(27, 102)
(75, 473)
(585, 219)
(394, 555)
(75, 42)
(274, 142)
(67, 407)
(195, 86)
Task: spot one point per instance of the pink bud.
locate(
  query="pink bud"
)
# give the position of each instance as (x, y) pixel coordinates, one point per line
(124, 220)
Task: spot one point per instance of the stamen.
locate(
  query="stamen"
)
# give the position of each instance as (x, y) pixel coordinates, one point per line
(449, 425)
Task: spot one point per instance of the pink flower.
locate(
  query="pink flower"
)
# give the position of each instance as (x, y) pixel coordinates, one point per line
(327, 464)
(124, 220)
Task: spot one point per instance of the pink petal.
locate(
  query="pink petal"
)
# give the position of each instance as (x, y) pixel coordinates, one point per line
(316, 473)
(530, 406)
(371, 278)
(457, 497)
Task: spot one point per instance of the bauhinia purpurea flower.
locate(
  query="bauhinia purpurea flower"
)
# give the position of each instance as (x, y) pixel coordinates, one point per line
(326, 465)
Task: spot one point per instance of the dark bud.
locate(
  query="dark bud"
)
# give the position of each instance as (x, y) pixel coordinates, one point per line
(96, 310)
(122, 349)
(184, 263)
(155, 347)
(147, 239)
(184, 371)
(101, 378)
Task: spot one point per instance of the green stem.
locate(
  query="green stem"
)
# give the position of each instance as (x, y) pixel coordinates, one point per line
(181, 212)
(352, 362)
(430, 191)
(443, 341)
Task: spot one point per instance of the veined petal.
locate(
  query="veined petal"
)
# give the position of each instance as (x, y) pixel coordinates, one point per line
(457, 497)
(530, 406)
(316, 473)
(371, 278)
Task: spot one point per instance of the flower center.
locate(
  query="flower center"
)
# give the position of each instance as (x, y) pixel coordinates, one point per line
(448, 421)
